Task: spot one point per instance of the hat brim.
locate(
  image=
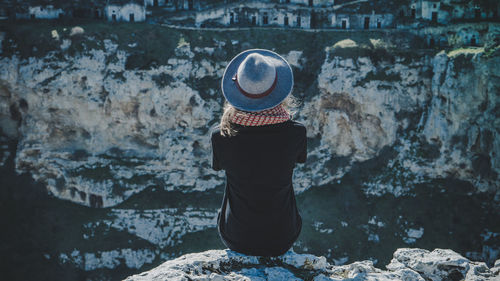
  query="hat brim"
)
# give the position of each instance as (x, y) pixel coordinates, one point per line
(284, 84)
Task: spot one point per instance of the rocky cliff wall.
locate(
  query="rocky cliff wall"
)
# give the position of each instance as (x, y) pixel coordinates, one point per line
(96, 132)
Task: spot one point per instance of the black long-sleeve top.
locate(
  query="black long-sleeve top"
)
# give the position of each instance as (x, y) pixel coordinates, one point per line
(259, 214)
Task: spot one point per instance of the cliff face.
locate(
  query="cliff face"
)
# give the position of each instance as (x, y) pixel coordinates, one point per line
(98, 128)
(97, 139)
(407, 264)
(95, 133)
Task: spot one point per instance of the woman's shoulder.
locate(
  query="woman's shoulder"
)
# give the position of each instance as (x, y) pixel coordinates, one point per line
(215, 131)
(297, 126)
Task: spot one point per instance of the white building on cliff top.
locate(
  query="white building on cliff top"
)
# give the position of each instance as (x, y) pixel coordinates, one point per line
(45, 12)
(131, 10)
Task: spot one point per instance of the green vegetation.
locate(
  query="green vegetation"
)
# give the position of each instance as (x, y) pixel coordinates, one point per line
(465, 51)
(380, 46)
(152, 45)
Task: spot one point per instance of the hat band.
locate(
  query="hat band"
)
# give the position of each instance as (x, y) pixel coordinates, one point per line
(256, 96)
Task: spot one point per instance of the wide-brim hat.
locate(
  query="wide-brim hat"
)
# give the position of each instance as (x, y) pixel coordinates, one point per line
(257, 80)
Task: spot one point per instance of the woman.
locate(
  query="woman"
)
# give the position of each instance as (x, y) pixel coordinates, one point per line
(258, 144)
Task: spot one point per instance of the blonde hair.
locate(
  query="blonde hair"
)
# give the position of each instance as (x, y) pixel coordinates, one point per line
(228, 129)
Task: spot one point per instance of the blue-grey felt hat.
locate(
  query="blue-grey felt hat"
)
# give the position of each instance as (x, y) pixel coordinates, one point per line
(256, 80)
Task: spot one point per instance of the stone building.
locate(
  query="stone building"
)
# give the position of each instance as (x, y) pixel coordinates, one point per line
(430, 10)
(156, 3)
(296, 14)
(86, 9)
(465, 36)
(469, 37)
(255, 14)
(362, 21)
(45, 12)
(444, 11)
(305, 14)
(128, 10)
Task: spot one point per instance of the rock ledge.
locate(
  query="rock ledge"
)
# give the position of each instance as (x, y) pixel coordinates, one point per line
(407, 264)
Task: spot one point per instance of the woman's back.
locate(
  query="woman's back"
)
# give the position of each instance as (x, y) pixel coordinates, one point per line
(259, 214)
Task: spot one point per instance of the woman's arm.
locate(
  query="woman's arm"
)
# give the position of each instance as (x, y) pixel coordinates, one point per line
(216, 165)
(302, 155)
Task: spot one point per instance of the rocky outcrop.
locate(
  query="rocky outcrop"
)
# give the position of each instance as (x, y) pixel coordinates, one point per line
(438, 113)
(96, 134)
(407, 264)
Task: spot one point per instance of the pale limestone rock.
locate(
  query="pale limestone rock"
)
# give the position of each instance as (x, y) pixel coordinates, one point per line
(88, 107)
(440, 264)
(76, 31)
(131, 258)
(355, 111)
(295, 59)
(408, 264)
(93, 129)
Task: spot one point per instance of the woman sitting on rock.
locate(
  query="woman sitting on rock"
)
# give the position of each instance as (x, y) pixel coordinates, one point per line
(258, 144)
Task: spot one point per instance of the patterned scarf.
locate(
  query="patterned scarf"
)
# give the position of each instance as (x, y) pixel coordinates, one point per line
(275, 115)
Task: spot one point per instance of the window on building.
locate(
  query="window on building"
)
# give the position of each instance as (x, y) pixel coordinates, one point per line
(473, 41)
(434, 16)
(344, 24)
(131, 17)
(254, 20)
(477, 13)
(434, 6)
(367, 22)
(285, 21)
(265, 19)
(231, 18)
(299, 21)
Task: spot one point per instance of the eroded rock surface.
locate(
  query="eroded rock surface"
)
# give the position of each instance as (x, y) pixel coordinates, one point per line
(96, 131)
(407, 264)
